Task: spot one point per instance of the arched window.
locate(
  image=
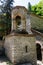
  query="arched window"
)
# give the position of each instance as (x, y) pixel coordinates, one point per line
(38, 49)
(18, 21)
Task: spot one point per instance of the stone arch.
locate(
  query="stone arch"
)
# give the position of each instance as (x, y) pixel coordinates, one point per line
(18, 21)
(22, 12)
(18, 14)
(38, 50)
(22, 22)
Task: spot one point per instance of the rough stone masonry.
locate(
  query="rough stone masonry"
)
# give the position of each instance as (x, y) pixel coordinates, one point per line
(20, 48)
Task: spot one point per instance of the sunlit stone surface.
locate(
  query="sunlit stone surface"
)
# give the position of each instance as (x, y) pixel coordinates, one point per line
(20, 47)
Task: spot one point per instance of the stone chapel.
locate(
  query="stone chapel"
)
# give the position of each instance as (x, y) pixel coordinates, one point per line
(23, 44)
(20, 44)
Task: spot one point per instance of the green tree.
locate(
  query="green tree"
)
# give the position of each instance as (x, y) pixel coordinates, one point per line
(38, 9)
(7, 6)
(29, 6)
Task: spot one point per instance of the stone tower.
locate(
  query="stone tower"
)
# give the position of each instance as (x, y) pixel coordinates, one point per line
(20, 46)
(21, 19)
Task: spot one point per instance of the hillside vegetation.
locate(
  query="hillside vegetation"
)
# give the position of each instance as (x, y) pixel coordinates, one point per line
(38, 9)
(37, 17)
(37, 23)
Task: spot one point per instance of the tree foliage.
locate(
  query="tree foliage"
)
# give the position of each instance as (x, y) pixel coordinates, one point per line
(38, 9)
(7, 6)
(29, 7)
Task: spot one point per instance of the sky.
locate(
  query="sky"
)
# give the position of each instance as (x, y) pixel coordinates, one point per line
(25, 2)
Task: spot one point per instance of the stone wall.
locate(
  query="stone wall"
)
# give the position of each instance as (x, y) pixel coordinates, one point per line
(39, 40)
(15, 49)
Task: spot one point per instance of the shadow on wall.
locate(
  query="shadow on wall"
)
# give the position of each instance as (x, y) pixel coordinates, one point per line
(20, 31)
(2, 49)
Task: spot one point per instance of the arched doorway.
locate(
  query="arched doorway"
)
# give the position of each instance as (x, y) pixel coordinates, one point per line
(38, 50)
